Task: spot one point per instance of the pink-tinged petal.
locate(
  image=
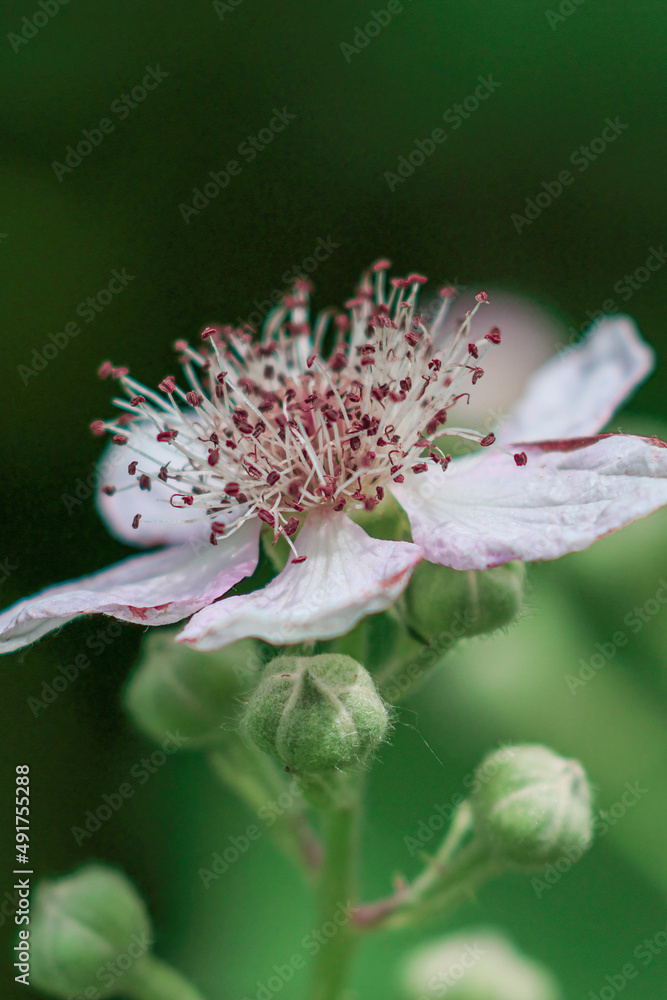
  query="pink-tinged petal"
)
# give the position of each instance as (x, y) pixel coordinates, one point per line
(347, 574)
(154, 589)
(159, 523)
(576, 392)
(485, 511)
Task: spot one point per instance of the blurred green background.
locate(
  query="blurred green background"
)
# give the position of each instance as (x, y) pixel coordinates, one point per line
(224, 70)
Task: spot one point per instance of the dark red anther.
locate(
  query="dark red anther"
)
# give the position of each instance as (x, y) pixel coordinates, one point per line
(266, 516)
(482, 297)
(119, 439)
(416, 279)
(355, 443)
(241, 498)
(397, 397)
(436, 421)
(310, 360)
(213, 538)
(187, 499)
(435, 365)
(232, 489)
(217, 527)
(220, 377)
(291, 526)
(300, 559)
(167, 435)
(213, 456)
(98, 428)
(399, 479)
(493, 335)
(420, 467)
(472, 349)
(379, 490)
(109, 490)
(168, 384)
(135, 520)
(105, 370)
(411, 338)
(486, 441)
(144, 482)
(214, 438)
(367, 361)
(253, 471)
(406, 383)
(340, 506)
(476, 375)
(136, 400)
(208, 332)
(521, 458)
(219, 392)
(132, 468)
(230, 444)
(444, 462)
(163, 473)
(194, 399)
(245, 427)
(273, 478)
(400, 283)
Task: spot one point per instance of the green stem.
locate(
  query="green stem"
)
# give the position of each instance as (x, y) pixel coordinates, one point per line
(255, 779)
(447, 881)
(336, 892)
(153, 979)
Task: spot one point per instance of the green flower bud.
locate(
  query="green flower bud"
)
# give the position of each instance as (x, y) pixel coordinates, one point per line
(445, 604)
(480, 965)
(177, 688)
(531, 806)
(81, 922)
(316, 712)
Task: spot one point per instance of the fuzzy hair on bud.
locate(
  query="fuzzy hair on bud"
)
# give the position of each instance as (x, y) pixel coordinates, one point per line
(532, 807)
(316, 713)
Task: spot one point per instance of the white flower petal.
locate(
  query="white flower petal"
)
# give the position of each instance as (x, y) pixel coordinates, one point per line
(485, 511)
(347, 575)
(154, 589)
(160, 524)
(577, 392)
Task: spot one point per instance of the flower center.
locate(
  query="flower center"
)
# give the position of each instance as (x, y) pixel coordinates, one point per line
(270, 428)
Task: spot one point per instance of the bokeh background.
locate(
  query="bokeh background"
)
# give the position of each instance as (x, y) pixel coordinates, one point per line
(559, 73)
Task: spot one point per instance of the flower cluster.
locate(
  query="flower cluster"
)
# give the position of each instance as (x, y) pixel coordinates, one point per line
(297, 429)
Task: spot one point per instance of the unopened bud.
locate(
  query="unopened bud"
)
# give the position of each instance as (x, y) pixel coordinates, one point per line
(316, 713)
(79, 924)
(463, 602)
(475, 965)
(533, 807)
(177, 688)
